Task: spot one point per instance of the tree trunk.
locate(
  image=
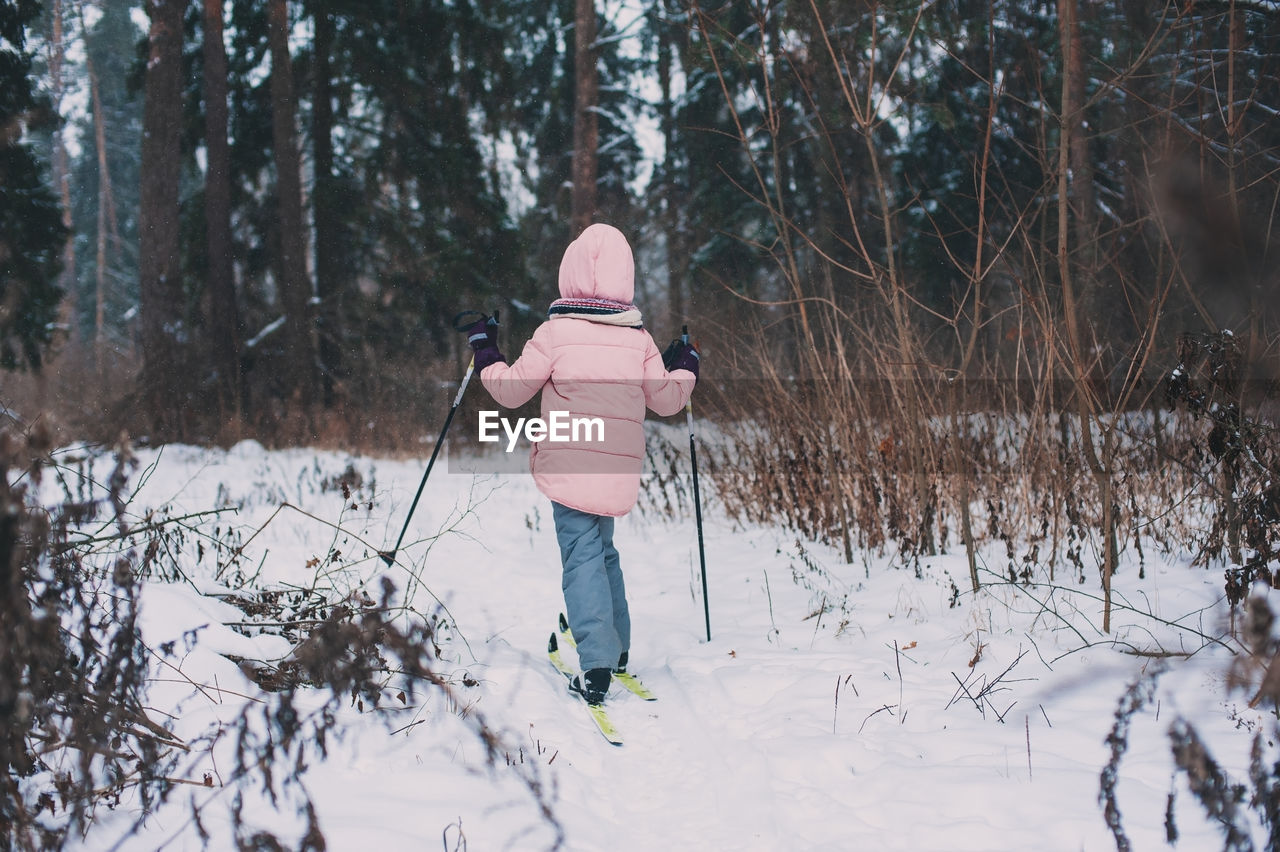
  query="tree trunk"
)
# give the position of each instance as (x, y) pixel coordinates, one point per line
(107, 223)
(1110, 547)
(1078, 291)
(1075, 293)
(586, 128)
(329, 283)
(61, 178)
(160, 285)
(220, 290)
(298, 368)
(1083, 196)
(670, 203)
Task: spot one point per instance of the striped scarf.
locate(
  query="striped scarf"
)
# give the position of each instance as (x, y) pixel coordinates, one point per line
(604, 311)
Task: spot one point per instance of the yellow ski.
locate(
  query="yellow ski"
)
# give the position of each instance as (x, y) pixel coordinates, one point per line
(626, 679)
(596, 711)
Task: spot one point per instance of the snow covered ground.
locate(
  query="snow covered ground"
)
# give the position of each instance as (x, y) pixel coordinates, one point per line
(862, 706)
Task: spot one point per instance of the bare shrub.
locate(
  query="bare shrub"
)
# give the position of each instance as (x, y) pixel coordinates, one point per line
(75, 732)
(1011, 399)
(1136, 696)
(1223, 799)
(391, 405)
(1238, 454)
(1232, 804)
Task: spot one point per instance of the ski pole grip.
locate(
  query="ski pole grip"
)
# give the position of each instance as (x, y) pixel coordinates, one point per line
(684, 334)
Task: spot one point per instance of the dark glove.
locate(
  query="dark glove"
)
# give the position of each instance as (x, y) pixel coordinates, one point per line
(482, 337)
(681, 356)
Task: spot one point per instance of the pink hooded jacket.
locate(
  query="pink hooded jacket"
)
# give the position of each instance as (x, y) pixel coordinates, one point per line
(592, 370)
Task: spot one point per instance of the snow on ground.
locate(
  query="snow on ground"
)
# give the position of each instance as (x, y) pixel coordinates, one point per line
(835, 707)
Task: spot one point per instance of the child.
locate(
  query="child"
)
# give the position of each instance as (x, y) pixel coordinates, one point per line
(593, 359)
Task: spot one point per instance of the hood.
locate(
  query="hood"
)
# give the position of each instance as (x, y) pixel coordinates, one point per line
(598, 265)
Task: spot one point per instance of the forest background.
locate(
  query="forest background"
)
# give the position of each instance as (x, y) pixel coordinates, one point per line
(258, 219)
(991, 278)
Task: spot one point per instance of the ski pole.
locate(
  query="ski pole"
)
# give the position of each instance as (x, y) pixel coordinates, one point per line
(464, 318)
(697, 499)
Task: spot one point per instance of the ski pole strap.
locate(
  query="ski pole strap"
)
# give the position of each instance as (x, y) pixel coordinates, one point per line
(466, 319)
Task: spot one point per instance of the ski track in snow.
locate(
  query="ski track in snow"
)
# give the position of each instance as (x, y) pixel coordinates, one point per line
(786, 731)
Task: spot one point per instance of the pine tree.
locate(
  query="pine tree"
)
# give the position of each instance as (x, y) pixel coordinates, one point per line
(106, 177)
(223, 336)
(586, 125)
(298, 363)
(544, 109)
(712, 226)
(163, 331)
(436, 232)
(31, 230)
(332, 273)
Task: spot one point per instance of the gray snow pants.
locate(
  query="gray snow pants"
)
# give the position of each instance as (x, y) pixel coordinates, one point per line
(594, 596)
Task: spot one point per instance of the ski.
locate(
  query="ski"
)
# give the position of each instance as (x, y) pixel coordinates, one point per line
(597, 712)
(629, 681)
(635, 685)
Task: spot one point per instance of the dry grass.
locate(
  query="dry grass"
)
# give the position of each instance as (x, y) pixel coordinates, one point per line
(391, 410)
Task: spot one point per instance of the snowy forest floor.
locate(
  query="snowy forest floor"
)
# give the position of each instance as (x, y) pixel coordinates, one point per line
(837, 706)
